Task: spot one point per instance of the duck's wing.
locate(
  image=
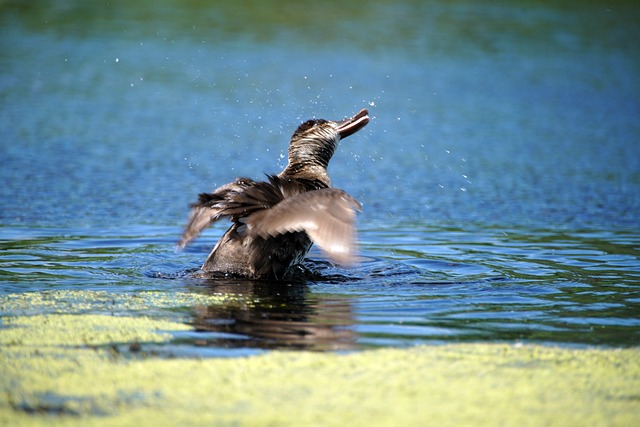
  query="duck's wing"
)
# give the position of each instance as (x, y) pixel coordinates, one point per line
(210, 207)
(235, 200)
(326, 215)
(199, 218)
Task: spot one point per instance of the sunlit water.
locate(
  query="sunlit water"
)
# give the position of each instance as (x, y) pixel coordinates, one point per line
(500, 175)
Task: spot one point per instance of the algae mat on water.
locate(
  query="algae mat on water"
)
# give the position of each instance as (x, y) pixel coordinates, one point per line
(64, 369)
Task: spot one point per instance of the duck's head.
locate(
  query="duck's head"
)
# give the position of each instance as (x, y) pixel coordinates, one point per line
(314, 142)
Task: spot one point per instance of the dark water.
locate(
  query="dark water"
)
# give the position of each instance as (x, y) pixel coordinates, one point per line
(500, 175)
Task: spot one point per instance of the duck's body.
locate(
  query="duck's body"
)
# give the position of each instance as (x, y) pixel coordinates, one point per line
(276, 221)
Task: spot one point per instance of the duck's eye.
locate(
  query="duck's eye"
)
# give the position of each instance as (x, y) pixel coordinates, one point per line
(304, 127)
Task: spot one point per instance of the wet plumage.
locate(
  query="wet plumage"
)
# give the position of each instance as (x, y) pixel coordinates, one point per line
(275, 222)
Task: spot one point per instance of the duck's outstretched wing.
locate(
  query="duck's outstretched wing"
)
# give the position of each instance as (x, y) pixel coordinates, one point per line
(210, 207)
(326, 215)
(200, 218)
(235, 200)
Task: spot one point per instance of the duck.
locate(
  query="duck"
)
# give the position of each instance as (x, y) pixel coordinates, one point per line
(275, 222)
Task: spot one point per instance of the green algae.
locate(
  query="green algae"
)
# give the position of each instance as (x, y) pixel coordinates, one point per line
(60, 369)
(70, 301)
(85, 330)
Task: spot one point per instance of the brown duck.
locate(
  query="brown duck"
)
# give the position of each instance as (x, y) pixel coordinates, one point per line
(275, 222)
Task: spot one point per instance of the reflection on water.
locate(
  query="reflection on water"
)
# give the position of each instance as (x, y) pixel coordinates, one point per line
(499, 175)
(274, 315)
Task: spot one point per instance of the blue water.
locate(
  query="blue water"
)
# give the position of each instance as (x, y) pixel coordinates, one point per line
(500, 174)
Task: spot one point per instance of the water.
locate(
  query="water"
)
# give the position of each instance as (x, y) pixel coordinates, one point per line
(500, 175)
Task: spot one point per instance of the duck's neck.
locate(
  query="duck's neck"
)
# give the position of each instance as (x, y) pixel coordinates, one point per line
(308, 159)
(310, 172)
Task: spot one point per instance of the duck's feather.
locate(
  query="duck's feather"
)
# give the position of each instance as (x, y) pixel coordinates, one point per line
(326, 215)
(239, 199)
(210, 207)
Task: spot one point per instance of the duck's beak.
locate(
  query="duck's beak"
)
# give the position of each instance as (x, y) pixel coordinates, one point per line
(352, 125)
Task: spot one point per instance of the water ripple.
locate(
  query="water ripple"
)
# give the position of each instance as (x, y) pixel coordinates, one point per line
(480, 285)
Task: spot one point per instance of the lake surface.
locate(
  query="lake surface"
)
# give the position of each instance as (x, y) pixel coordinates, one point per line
(500, 173)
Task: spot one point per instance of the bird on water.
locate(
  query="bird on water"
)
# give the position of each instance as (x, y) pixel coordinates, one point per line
(275, 222)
